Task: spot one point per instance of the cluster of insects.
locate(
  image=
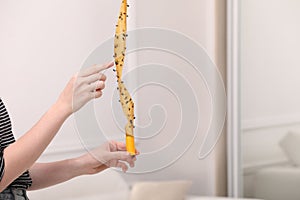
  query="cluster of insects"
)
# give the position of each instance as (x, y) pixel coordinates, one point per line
(119, 56)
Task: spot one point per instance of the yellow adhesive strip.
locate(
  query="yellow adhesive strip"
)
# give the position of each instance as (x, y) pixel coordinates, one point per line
(119, 55)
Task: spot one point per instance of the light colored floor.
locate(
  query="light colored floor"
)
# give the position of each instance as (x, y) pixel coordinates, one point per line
(215, 198)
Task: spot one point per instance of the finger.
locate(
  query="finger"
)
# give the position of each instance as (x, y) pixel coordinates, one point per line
(125, 156)
(134, 158)
(96, 94)
(121, 146)
(95, 77)
(112, 163)
(117, 146)
(112, 146)
(137, 152)
(120, 155)
(131, 162)
(123, 166)
(102, 77)
(98, 85)
(95, 69)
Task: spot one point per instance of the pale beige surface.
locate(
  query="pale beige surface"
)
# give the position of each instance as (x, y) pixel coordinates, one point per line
(290, 145)
(169, 190)
(215, 198)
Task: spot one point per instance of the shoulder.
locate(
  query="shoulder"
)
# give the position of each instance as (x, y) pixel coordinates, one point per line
(3, 110)
(2, 106)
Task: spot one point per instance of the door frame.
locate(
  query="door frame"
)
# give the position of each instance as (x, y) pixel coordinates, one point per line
(234, 172)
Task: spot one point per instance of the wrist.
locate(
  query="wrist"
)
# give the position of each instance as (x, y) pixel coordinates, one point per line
(78, 168)
(87, 165)
(80, 165)
(64, 109)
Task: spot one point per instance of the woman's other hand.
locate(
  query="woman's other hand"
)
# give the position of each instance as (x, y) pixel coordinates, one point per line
(110, 154)
(83, 87)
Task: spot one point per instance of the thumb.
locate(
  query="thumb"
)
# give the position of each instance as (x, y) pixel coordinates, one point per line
(120, 155)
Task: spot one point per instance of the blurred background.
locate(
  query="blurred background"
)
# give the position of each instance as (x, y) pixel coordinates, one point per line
(270, 111)
(43, 43)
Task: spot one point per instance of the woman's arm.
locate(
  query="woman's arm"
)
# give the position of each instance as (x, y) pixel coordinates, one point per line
(47, 174)
(22, 154)
(111, 154)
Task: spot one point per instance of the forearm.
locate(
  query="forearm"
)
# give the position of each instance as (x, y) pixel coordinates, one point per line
(47, 174)
(111, 154)
(22, 154)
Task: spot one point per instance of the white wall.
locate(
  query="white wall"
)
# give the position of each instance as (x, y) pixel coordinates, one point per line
(270, 82)
(270, 63)
(44, 42)
(203, 21)
(269, 58)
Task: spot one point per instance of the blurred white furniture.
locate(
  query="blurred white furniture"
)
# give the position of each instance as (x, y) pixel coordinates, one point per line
(278, 183)
(270, 158)
(215, 198)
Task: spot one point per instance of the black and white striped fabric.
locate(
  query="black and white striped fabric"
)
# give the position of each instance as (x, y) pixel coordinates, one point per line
(7, 138)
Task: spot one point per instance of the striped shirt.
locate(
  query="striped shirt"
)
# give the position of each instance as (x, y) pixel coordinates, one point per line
(6, 138)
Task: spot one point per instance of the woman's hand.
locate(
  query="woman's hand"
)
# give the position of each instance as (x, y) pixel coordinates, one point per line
(83, 87)
(110, 154)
